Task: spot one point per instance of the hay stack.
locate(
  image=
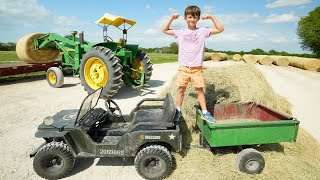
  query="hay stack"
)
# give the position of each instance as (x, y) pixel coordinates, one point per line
(264, 59)
(207, 56)
(250, 59)
(310, 64)
(26, 52)
(219, 56)
(280, 60)
(236, 57)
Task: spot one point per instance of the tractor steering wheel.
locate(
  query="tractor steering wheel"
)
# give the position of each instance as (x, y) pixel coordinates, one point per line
(113, 108)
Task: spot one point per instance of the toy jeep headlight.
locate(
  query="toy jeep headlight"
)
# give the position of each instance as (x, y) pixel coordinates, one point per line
(48, 121)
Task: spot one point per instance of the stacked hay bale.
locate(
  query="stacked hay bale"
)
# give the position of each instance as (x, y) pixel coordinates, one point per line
(249, 58)
(236, 57)
(219, 57)
(310, 64)
(264, 59)
(26, 52)
(280, 60)
(240, 84)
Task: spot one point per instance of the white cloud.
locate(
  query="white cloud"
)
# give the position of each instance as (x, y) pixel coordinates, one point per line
(274, 18)
(69, 21)
(148, 6)
(207, 9)
(285, 3)
(237, 18)
(19, 13)
(171, 10)
(151, 31)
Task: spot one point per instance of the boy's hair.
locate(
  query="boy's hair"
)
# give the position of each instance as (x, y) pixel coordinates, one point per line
(193, 11)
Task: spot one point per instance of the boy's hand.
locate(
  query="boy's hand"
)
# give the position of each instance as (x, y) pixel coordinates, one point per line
(175, 16)
(206, 16)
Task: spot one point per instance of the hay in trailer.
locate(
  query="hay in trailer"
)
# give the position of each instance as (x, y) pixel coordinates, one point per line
(219, 57)
(280, 60)
(26, 52)
(236, 57)
(241, 83)
(207, 56)
(249, 58)
(310, 64)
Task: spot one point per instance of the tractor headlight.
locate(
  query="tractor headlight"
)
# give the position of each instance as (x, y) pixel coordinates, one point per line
(48, 121)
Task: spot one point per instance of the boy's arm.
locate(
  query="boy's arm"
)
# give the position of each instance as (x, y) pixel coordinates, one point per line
(166, 27)
(218, 26)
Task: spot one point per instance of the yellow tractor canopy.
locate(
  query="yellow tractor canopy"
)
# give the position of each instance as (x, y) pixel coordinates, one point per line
(116, 21)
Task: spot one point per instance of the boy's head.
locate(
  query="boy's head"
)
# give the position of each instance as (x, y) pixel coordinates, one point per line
(193, 11)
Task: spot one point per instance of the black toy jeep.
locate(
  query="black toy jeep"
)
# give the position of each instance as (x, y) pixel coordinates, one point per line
(147, 133)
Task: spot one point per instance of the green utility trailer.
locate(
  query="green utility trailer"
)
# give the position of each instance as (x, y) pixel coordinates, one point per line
(104, 64)
(246, 124)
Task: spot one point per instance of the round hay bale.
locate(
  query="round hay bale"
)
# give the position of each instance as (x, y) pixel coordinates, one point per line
(310, 64)
(280, 60)
(207, 56)
(219, 56)
(26, 52)
(264, 59)
(236, 57)
(250, 59)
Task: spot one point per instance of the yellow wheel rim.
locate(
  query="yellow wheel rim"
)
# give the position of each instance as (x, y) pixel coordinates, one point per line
(52, 78)
(137, 66)
(95, 73)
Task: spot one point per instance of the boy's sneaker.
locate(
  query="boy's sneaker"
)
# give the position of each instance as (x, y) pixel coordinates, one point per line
(208, 117)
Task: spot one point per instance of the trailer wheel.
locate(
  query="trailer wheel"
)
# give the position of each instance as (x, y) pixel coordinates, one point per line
(153, 162)
(142, 63)
(53, 161)
(55, 77)
(250, 161)
(101, 68)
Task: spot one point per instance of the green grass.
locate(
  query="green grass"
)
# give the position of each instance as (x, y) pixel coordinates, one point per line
(8, 57)
(158, 58)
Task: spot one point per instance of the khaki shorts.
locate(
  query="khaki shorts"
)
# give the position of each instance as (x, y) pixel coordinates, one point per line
(185, 74)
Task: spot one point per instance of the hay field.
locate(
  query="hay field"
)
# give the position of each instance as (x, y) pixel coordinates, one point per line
(244, 83)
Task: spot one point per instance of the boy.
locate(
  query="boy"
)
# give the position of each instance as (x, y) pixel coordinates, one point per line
(191, 50)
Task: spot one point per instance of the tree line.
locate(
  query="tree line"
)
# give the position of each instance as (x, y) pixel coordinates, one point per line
(10, 46)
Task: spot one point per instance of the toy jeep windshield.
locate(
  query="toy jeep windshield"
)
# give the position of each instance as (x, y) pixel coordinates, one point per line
(148, 133)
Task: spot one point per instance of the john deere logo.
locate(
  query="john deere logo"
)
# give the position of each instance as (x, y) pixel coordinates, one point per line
(142, 136)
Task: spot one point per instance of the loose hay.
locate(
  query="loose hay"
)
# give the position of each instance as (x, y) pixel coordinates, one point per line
(26, 52)
(242, 83)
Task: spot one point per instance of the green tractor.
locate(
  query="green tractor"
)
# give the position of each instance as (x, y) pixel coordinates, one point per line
(105, 64)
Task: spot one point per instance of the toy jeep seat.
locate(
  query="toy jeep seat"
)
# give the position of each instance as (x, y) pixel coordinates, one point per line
(155, 118)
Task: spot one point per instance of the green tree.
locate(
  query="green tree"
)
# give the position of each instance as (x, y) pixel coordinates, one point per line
(309, 31)
(257, 51)
(174, 48)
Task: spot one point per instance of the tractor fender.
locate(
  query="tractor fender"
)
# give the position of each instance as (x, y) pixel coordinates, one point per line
(111, 45)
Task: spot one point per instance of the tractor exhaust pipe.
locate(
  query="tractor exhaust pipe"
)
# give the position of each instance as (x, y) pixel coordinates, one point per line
(81, 38)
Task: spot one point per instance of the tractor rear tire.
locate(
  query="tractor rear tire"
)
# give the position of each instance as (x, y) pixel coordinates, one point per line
(53, 161)
(26, 52)
(250, 161)
(142, 63)
(153, 162)
(55, 77)
(100, 67)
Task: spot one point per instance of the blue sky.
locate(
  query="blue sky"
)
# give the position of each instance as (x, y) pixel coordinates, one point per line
(249, 24)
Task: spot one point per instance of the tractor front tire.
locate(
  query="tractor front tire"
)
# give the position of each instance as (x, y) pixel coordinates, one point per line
(142, 63)
(100, 67)
(250, 161)
(153, 162)
(55, 77)
(53, 161)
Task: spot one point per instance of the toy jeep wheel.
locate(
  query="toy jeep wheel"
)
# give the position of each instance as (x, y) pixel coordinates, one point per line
(53, 161)
(250, 161)
(153, 162)
(55, 77)
(142, 63)
(101, 68)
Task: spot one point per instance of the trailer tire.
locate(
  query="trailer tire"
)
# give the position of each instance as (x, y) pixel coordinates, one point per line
(55, 77)
(53, 161)
(142, 63)
(250, 161)
(153, 162)
(100, 67)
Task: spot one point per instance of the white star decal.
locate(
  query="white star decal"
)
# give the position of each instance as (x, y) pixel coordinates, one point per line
(172, 137)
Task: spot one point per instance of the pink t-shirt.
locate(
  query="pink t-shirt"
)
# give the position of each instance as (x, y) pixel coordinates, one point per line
(191, 45)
